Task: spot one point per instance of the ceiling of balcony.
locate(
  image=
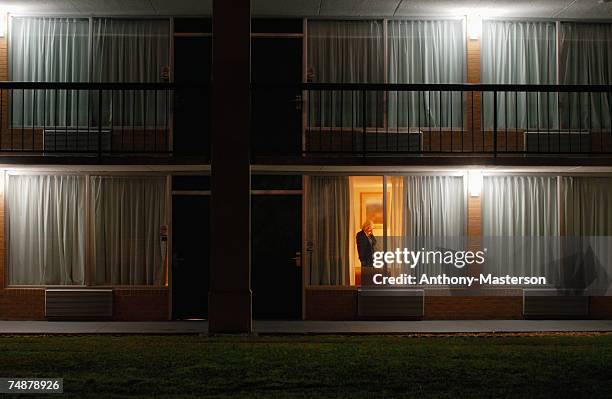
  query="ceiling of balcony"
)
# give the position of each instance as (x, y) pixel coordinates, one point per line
(571, 9)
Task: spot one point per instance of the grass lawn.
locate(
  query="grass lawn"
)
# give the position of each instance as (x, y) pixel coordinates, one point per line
(317, 366)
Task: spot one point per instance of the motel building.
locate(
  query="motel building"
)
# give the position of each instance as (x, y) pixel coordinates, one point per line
(215, 160)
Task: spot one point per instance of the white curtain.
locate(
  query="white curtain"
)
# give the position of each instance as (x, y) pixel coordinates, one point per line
(588, 229)
(434, 218)
(327, 215)
(345, 52)
(426, 52)
(131, 50)
(520, 226)
(125, 225)
(519, 52)
(586, 58)
(45, 49)
(46, 229)
(395, 219)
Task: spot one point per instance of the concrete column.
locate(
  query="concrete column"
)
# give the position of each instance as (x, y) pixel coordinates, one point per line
(230, 292)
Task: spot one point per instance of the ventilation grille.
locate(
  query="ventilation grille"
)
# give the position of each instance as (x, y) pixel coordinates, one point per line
(554, 304)
(575, 141)
(71, 140)
(351, 141)
(390, 303)
(78, 304)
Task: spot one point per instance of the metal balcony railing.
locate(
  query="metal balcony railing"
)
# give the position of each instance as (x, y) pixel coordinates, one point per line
(437, 119)
(102, 119)
(166, 120)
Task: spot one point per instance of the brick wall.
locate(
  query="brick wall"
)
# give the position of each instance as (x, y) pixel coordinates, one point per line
(331, 303)
(473, 308)
(340, 303)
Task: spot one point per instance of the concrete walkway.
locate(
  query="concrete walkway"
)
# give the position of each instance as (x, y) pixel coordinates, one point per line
(310, 327)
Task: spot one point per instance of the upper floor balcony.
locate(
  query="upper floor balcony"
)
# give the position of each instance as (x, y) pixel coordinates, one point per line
(404, 90)
(310, 122)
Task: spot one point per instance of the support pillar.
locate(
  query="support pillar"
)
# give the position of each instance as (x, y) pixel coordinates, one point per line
(230, 292)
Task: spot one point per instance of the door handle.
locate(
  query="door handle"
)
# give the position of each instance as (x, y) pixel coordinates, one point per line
(298, 259)
(298, 102)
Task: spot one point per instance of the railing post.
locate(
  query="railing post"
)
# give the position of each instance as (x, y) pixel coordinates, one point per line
(495, 123)
(99, 123)
(364, 122)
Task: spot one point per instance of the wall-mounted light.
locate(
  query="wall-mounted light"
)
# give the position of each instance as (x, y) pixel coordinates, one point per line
(475, 182)
(474, 26)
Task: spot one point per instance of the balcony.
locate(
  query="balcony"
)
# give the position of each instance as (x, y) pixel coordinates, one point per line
(424, 122)
(105, 122)
(311, 122)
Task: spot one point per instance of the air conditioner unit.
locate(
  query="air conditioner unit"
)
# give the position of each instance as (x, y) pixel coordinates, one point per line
(390, 303)
(558, 141)
(76, 304)
(76, 140)
(554, 304)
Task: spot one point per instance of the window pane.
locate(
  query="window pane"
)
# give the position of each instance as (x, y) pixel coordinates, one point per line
(520, 218)
(127, 215)
(328, 230)
(346, 223)
(585, 52)
(46, 219)
(425, 52)
(135, 51)
(345, 52)
(49, 50)
(587, 213)
(517, 52)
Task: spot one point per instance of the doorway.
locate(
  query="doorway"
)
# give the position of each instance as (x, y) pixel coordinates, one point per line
(276, 270)
(190, 255)
(276, 112)
(192, 105)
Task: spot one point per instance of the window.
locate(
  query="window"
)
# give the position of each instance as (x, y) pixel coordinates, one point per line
(519, 52)
(59, 225)
(588, 231)
(426, 52)
(520, 225)
(586, 49)
(415, 212)
(133, 51)
(46, 229)
(127, 214)
(393, 51)
(46, 49)
(345, 52)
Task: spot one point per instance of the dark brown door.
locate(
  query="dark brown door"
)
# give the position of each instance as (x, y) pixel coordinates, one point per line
(276, 113)
(190, 256)
(276, 272)
(192, 106)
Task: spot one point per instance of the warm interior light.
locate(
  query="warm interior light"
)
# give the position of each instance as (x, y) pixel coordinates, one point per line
(475, 182)
(474, 23)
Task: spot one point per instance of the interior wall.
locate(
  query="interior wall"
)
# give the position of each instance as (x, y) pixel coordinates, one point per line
(358, 186)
